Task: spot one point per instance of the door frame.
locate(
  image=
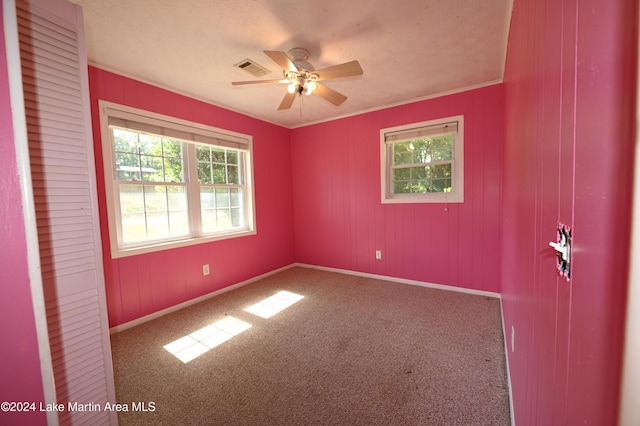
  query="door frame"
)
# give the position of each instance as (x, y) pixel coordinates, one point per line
(629, 407)
(21, 141)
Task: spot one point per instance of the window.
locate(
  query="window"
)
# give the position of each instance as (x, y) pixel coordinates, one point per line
(423, 162)
(171, 182)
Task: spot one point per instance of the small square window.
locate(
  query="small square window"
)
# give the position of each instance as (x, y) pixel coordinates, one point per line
(423, 162)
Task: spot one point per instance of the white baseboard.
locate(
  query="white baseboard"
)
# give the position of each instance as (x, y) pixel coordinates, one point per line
(402, 280)
(199, 299)
(506, 358)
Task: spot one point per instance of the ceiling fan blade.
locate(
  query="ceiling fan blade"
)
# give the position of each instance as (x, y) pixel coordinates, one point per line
(240, 83)
(281, 59)
(287, 101)
(330, 95)
(348, 69)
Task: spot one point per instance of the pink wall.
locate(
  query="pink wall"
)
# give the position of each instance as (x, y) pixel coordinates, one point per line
(567, 112)
(144, 284)
(20, 378)
(569, 92)
(339, 220)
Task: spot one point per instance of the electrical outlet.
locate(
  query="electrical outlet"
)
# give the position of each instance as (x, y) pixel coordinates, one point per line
(378, 254)
(205, 269)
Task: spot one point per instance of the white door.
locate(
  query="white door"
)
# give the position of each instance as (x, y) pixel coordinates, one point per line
(56, 98)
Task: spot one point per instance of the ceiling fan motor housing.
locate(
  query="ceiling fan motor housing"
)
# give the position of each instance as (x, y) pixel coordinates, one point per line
(299, 57)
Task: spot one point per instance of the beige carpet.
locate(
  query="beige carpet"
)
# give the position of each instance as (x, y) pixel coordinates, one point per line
(353, 351)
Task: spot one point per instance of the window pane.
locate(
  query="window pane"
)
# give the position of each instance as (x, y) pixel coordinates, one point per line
(204, 173)
(421, 144)
(232, 174)
(155, 202)
(209, 221)
(222, 164)
(422, 151)
(222, 198)
(153, 212)
(217, 155)
(150, 144)
(208, 212)
(401, 155)
(151, 168)
(133, 228)
(131, 199)
(157, 225)
(441, 185)
(173, 170)
(177, 198)
(419, 173)
(149, 158)
(224, 219)
(401, 188)
(178, 210)
(132, 208)
(203, 153)
(421, 156)
(219, 173)
(401, 174)
(236, 197)
(171, 148)
(442, 142)
(236, 217)
(442, 154)
(232, 157)
(125, 141)
(127, 166)
(221, 208)
(420, 186)
(441, 171)
(179, 223)
(207, 198)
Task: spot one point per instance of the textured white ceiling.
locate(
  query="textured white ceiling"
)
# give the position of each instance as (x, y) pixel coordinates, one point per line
(409, 49)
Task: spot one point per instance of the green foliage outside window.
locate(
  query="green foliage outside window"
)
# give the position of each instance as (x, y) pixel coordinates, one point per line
(423, 165)
(147, 158)
(217, 165)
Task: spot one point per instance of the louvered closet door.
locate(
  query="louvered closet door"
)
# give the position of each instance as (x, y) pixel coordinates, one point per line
(62, 163)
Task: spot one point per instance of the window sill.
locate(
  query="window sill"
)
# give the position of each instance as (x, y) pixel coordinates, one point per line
(117, 252)
(419, 198)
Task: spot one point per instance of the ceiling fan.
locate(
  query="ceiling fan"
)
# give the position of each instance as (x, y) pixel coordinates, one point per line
(302, 77)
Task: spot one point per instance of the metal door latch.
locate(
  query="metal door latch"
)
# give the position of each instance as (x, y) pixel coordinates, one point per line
(563, 248)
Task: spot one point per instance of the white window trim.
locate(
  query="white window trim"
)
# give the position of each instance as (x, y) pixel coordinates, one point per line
(457, 193)
(114, 224)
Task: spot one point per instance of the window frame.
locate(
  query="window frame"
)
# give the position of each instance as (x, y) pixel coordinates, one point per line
(457, 163)
(201, 134)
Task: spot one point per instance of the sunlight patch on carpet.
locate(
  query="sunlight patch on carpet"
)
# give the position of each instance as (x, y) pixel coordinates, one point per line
(272, 305)
(200, 341)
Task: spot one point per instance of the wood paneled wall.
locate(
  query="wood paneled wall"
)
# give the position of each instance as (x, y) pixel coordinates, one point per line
(144, 284)
(340, 221)
(569, 89)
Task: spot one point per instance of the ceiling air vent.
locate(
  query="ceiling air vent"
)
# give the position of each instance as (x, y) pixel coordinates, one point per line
(252, 68)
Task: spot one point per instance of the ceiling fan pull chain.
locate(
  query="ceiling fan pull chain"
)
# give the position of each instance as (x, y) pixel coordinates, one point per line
(301, 101)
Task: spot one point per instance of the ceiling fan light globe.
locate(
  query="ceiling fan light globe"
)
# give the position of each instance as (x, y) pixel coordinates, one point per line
(310, 86)
(291, 88)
